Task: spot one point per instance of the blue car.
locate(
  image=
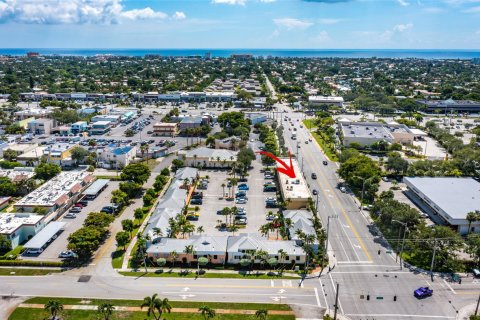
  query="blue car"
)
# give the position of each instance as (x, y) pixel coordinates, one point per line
(423, 292)
(243, 187)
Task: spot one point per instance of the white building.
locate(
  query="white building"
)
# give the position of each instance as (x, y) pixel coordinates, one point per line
(449, 198)
(314, 101)
(296, 189)
(368, 133)
(115, 157)
(20, 227)
(209, 158)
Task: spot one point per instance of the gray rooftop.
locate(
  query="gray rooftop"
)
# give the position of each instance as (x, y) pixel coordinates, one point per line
(376, 131)
(95, 188)
(41, 238)
(455, 196)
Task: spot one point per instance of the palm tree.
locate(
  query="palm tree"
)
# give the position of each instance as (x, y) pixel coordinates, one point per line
(200, 230)
(189, 251)
(164, 306)
(106, 309)
(207, 312)
(54, 307)
(261, 314)
(157, 232)
(195, 160)
(472, 217)
(265, 229)
(223, 189)
(174, 256)
(233, 228)
(151, 303)
(282, 255)
(234, 182)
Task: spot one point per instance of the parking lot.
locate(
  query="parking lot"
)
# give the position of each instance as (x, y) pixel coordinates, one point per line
(50, 253)
(213, 201)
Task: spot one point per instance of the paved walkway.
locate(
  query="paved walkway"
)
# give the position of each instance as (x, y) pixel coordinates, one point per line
(174, 310)
(193, 270)
(465, 312)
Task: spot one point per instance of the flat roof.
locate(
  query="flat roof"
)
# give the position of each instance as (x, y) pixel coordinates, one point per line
(41, 238)
(325, 98)
(95, 188)
(293, 188)
(377, 131)
(455, 196)
(9, 222)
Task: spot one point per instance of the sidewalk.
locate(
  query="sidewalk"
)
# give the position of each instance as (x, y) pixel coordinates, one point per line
(174, 310)
(193, 270)
(465, 312)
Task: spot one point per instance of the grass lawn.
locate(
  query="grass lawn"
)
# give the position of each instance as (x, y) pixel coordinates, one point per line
(36, 314)
(207, 274)
(175, 304)
(25, 272)
(326, 147)
(112, 178)
(309, 124)
(117, 258)
(15, 252)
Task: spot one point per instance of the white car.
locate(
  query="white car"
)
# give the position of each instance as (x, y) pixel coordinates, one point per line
(241, 201)
(343, 189)
(34, 251)
(67, 254)
(70, 215)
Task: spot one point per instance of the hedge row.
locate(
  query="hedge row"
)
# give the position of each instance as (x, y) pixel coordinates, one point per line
(26, 263)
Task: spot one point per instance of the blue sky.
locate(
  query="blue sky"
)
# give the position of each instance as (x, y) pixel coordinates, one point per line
(312, 24)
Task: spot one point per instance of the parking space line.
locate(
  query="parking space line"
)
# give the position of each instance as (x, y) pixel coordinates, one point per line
(318, 299)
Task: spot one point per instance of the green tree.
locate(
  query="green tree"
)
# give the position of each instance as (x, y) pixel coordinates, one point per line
(54, 307)
(396, 163)
(106, 310)
(473, 247)
(14, 129)
(119, 198)
(79, 154)
(132, 189)
(85, 241)
(207, 312)
(98, 219)
(128, 226)
(5, 244)
(138, 214)
(152, 304)
(472, 217)
(46, 171)
(7, 187)
(9, 154)
(137, 172)
(122, 239)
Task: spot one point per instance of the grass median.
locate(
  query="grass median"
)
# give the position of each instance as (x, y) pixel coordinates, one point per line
(207, 274)
(26, 272)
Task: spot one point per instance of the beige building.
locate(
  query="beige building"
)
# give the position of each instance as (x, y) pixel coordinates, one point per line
(165, 129)
(295, 191)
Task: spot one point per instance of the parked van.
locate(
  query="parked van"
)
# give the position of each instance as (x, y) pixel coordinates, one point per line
(476, 273)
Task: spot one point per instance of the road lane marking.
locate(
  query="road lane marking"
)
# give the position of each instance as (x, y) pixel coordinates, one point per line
(335, 291)
(230, 286)
(468, 292)
(318, 299)
(239, 294)
(272, 283)
(323, 293)
(356, 262)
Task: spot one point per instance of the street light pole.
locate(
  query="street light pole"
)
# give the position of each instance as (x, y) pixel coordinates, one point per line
(433, 258)
(403, 241)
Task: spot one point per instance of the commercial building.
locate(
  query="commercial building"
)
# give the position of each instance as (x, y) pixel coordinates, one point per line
(315, 101)
(450, 199)
(215, 96)
(32, 157)
(79, 126)
(24, 122)
(165, 129)
(244, 246)
(57, 194)
(100, 127)
(368, 133)
(20, 227)
(256, 117)
(230, 143)
(170, 205)
(211, 247)
(34, 112)
(208, 158)
(301, 220)
(295, 192)
(18, 174)
(449, 106)
(41, 126)
(190, 123)
(21, 148)
(114, 156)
(112, 118)
(59, 153)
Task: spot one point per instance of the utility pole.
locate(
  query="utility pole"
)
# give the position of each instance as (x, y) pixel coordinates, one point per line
(478, 302)
(336, 303)
(404, 224)
(433, 258)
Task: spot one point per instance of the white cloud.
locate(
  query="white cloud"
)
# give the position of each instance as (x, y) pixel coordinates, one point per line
(179, 15)
(322, 36)
(268, 1)
(402, 27)
(329, 21)
(473, 10)
(403, 3)
(231, 2)
(72, 12)
(433, 10)
(292, 23)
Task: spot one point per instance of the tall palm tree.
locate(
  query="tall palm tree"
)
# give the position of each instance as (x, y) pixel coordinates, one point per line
(54, 307)
(223, 189)
(106, 310)
(472, 217)
(189, 251)
(282, 255)
(157, 232)
(152, 304)
(234, 182)
(234, 228)
(265, 229)
(261, 314)
(164, 306)
(200, 230)
(174, 256)
(207, 312)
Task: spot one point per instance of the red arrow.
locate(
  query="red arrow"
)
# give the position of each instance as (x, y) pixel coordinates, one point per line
(288, 170)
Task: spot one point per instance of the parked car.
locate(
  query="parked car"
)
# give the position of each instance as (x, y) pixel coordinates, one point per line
(70, 215)
(315, 192)
(241, 194)
(314, 175)
(269, 188)
(67, 254)
(241, 201)
(423, 292)
(84, 203)
(243, 186)
(343, 189)
(325, 162)
(241, 220)
(196, 201)
(75, 210)
(108, 210)
(34, 251)
(241, 210)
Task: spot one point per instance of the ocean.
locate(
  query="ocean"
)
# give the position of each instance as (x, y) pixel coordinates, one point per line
(306, 53)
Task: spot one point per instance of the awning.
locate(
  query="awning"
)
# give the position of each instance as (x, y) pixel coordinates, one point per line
(41, 238)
